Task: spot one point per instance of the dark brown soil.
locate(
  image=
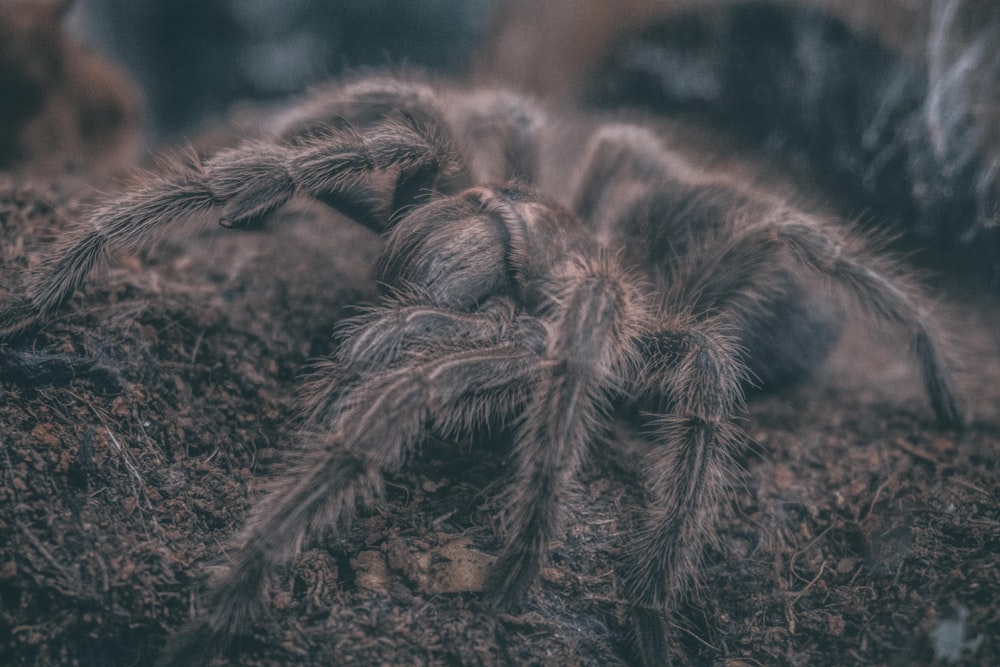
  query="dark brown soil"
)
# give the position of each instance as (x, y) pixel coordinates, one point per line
(138, 428)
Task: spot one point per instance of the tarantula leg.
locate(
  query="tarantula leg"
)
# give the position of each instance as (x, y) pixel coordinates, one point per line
(742, 274)
(395, 332)
(369, 177)
(340, 166)
(120, 225)
(697, 375)
(873, 283)
(325, 488)
(383, 334)
(890, 298)
(596, 319)
(342, 470)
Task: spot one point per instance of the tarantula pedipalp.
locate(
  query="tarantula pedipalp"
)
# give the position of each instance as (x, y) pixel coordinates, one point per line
(539, 275)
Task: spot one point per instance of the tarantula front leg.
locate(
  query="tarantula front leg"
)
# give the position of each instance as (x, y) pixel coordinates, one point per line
(449, 387)
(369, 177)
(404, 326)
(595, 317)
(693, 373)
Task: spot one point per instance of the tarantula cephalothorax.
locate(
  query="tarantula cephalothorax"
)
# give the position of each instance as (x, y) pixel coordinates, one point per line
(542, 274)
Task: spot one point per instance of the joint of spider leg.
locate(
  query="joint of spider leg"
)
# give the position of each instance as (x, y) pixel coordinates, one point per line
(409, 141)
(699, 373)
(249, 181)
(533, 334)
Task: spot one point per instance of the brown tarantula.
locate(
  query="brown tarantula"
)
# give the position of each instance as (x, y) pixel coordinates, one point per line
(541, 271)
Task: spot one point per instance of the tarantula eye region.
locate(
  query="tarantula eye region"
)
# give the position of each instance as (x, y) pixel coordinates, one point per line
(511, 193)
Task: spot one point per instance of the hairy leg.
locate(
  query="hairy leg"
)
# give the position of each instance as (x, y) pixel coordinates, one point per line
(401, 328)
(695, 372)
(874, 283)
(369, 177)
(341, 470)
(879, 289)
(595, 318)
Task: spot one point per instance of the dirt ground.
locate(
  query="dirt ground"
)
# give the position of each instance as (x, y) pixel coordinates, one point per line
(141, 424)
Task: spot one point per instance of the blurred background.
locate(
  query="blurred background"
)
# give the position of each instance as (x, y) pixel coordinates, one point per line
(193, 58)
